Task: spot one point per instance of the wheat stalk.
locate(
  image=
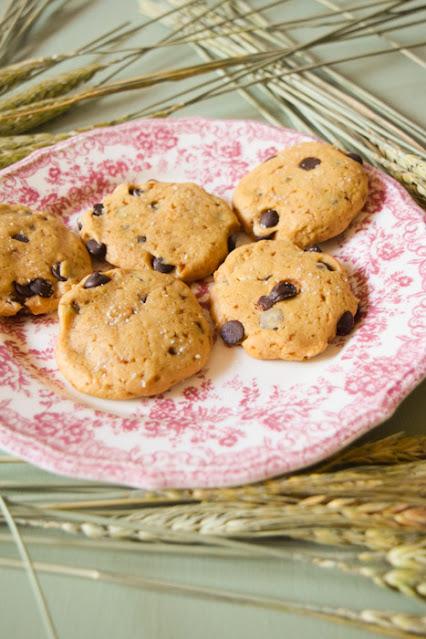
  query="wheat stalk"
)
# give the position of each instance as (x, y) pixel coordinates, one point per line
(240, 521)
(235, 519)
(52, 87)
(19, 17)
(393, 449)
(229, 45)
(27, 563)
(393, 624)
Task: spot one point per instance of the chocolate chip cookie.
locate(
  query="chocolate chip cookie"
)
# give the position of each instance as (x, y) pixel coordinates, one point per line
(280, 302)
(175, 228)
(129, 333)
(40, 259)
(307, 193)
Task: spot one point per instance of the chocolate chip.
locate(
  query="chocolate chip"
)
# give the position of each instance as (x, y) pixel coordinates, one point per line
(283, 291)
(160, 266)
(345, 324)
(79, 226)
(232, 332)
(154, 205)
(172, 351)
(96, 279)
(21, 291)
(355, 157)
(231, 243)
(269, 218)
(98, 209)
(55, 269)
(141, 239)
(314, 249)
(75, 307)
(96, 249)
(41, 287)
(322, 264)
(133, 190)
(20, 237)
(264, 302)
(309, 163)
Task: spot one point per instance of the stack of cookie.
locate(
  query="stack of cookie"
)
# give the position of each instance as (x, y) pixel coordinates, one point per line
(137, 329)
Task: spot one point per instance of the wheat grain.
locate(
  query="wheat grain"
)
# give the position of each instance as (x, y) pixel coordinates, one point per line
(394, 449)
(13, 74)
(393, 624)
(52, 87)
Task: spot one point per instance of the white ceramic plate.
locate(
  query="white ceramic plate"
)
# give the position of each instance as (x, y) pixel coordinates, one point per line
(241, 419)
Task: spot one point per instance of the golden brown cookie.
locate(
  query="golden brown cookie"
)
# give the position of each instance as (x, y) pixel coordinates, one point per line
(175, 228)
(126, 333)
(280, 302)
(40, 259)
(307, 193)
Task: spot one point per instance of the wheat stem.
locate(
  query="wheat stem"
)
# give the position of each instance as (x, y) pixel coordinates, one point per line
(29, 567)
(393, 624)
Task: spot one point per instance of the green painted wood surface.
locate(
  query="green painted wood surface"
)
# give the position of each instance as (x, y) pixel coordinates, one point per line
(92, 610)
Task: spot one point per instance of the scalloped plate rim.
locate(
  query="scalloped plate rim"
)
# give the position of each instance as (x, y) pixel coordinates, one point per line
(59, 461)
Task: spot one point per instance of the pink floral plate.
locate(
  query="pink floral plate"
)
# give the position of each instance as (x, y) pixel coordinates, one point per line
(239, 420)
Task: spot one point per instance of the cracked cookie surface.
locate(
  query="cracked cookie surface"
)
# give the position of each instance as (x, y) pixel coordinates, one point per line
(131, 333)
(307, 193)
(40, 259)
(175, 228)
(280, 302)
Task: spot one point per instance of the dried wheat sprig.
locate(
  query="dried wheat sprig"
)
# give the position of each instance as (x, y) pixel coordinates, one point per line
(409, 577)
(358, 93)
(29, 567)
(375, 156)
(291, 49)
(23, 120)
(230, 85)
(408, 54)
(338, 80)
(18, 19)
(393, 624)
(52, 87)
(393, 449)
(200, 522)
(96, 527)
(200, 35)
(27, 117)
(14, 74)
(328, 88)
(373, 538)
(10, 157)
(12, 142)
(408, 581)
(238, 519)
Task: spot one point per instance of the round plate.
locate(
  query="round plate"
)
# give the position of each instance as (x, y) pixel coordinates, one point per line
(239, 420)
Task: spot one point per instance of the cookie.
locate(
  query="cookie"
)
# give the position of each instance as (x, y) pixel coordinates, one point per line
(129, 333)
(40, 259)
(175, 228)
(307, 193)
(280, 302)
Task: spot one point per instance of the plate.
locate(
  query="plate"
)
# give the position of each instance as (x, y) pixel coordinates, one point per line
(240, 420)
